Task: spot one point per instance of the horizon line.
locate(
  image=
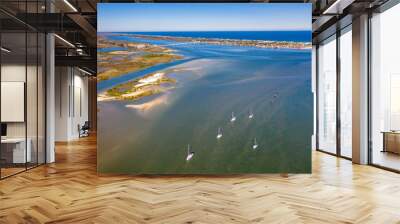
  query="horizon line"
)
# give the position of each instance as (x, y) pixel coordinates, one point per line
(200, 31)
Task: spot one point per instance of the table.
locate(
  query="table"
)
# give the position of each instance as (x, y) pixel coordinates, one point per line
(19, 154)
(391, 141)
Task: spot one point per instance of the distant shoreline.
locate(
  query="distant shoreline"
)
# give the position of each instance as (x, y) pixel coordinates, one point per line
(285, 35)
(223, 41)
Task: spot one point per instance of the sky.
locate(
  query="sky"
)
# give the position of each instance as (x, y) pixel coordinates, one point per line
(156, 17)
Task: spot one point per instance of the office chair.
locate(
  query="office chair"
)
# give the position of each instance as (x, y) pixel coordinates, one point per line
(84, 130)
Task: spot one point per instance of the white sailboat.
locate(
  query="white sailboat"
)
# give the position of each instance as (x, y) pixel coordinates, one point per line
(255, 145)
(219, 135)
(251, 115)
(233, 118)
(189, 154)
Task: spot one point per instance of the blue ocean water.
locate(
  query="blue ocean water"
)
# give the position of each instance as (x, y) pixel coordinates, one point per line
(296, 36)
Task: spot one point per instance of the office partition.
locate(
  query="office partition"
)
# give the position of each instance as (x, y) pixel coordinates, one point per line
(22, 77)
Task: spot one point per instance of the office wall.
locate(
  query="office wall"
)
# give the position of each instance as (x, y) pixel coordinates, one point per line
(92, 92)
(62, 81)
(71, 102)
(16, 73)
(80, 108)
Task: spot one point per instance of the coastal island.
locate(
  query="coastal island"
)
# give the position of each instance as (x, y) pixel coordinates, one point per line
(135, 89)
(232, 42)
(116, 58)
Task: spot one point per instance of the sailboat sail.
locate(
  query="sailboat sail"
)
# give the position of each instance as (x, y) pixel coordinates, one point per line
(255, 145)
(219, 134)
(189, 154)
(233, 118)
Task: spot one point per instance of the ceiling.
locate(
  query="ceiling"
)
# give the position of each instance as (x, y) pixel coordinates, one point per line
(75, 21)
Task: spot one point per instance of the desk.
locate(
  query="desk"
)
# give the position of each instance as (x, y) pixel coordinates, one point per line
(391, 141)
(19, 154)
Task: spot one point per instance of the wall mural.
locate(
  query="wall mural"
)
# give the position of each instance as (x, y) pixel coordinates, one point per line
(204, 88)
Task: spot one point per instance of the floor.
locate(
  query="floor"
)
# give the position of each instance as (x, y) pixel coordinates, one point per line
(5, 172)
(387, 159)
(70, 191)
